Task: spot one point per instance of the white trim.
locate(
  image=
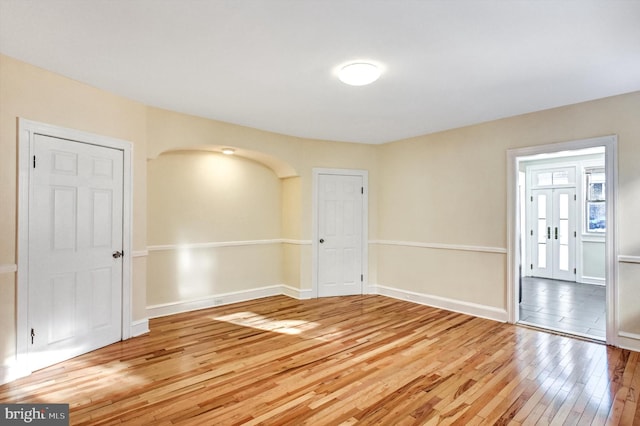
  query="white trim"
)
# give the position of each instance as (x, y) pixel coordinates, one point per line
(592, 238)
(561, 332)
(592, 280)
(629, 341)
(27, 129)
(8, 269)
(440, 246)
(164, 309)
(316, 172)
(635, 336)
(296, 293)
(139, 253)
(217, 244)
(468, 308)
(139, 327)
(513, 223)
(629, 259)
(296, 242)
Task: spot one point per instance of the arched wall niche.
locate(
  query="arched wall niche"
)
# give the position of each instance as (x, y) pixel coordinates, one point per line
(219, 227)
(281, 168)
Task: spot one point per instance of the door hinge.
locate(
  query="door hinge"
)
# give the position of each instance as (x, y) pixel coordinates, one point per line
(532, 198)
(33, 334)
(574, 271)
(575, 234)
(361, 277)
(574, 197)
(532, 266)
(532, 232)
(34, 161)
(362, 190)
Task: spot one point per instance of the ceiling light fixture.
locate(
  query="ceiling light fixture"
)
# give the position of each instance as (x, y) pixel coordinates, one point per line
(228, 151)
(359, 73)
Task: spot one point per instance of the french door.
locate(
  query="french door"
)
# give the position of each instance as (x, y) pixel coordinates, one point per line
(553, 233)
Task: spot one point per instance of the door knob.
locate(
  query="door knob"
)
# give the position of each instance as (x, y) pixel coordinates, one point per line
(321, 240)
(117, 254)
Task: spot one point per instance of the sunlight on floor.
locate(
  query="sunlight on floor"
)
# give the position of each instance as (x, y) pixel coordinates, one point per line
(253, 320)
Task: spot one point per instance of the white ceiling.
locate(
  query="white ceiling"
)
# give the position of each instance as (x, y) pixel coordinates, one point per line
(270, 64)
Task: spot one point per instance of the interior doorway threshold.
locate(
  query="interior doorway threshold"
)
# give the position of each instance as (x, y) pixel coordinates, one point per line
(552, 330)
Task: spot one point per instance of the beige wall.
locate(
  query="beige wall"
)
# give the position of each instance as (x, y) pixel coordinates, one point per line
(450, 188)
(197, 197)
(291, 232)
(169, 130)
(35, 94)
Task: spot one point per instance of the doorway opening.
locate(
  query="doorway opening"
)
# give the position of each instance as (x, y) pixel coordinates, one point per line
(561, 256)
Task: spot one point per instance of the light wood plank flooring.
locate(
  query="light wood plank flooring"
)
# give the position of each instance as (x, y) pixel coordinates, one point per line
(564, 306)
(331, 361)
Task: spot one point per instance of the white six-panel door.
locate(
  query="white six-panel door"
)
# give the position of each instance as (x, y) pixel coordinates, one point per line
(553, 233)
(340, 232)
(75, 238)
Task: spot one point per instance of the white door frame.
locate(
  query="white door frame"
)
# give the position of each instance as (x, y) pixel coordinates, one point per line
(27, 130)
(365, 223)
(610, 143)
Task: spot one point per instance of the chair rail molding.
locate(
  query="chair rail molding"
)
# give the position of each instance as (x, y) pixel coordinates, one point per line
(217, 244)
(440, 246)
(8, 268)
(628, 259)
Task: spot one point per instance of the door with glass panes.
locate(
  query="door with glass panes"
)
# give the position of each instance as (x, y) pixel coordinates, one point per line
(553, 233)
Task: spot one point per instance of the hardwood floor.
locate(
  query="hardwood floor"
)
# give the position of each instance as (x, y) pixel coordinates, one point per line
(564, 306)
(347, 360)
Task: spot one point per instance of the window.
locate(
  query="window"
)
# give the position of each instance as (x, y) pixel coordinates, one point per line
(554, 177)
(595, 200)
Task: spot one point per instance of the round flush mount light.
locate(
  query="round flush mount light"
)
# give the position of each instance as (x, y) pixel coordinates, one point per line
(228, 151)
(359, 73)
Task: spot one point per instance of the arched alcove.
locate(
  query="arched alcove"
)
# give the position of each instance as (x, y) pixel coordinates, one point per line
(281, 168)
(217, 227)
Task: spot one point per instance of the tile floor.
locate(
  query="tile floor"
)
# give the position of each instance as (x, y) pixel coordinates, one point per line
(564, 306)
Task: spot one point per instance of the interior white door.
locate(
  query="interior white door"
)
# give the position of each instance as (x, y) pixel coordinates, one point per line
(553, 233)
(340, 232)
(75, 246)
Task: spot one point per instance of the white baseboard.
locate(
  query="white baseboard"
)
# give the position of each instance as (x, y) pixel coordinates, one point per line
(139, 327)
(473, 309)
(161, 310)
(300, 294)
(593, 280)
(629, 341)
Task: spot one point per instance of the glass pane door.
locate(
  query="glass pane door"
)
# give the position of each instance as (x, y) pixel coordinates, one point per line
(553, 233)
(541, 258)
(564, 234)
